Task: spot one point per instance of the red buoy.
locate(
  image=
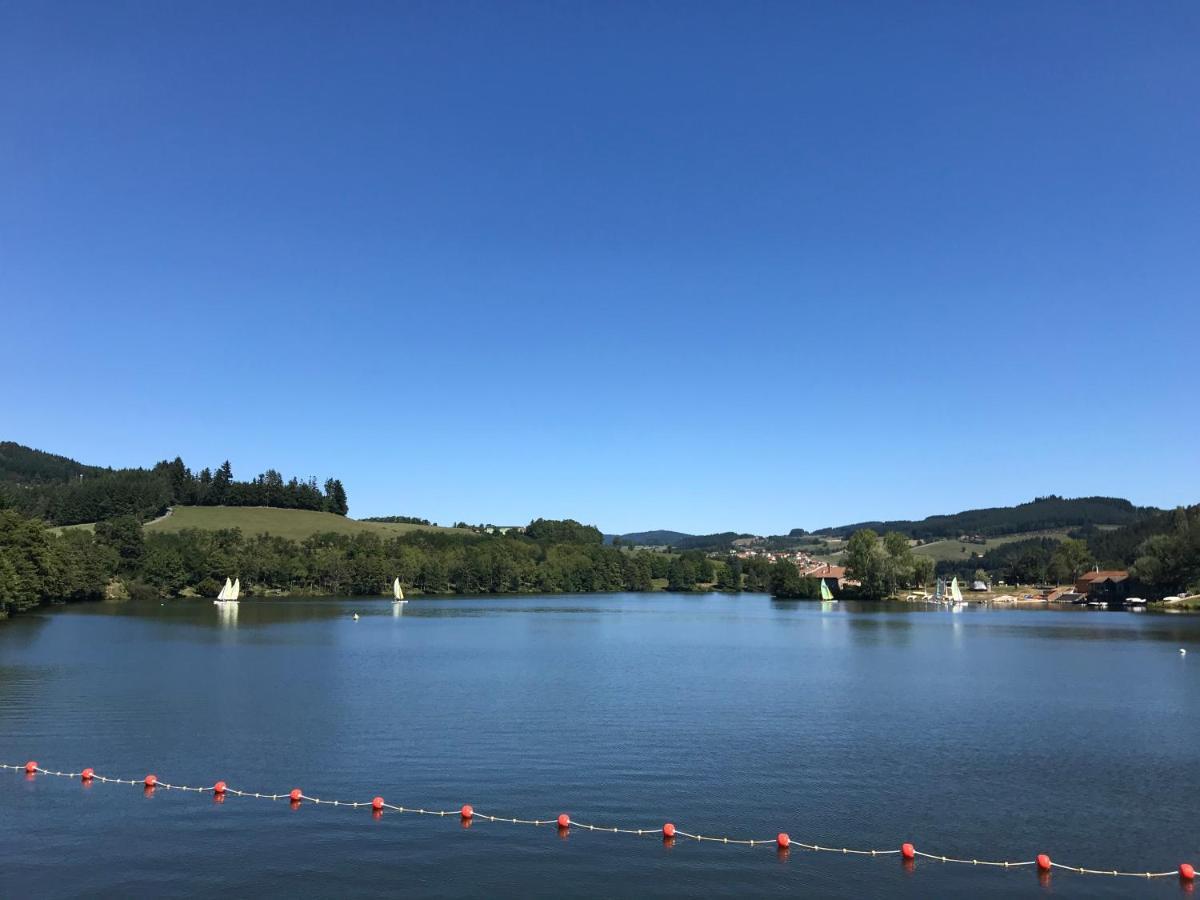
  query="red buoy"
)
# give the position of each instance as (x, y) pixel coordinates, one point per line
(1186, 872)
(782, 840)
(296, 794)
(87, 774)
(219, 787)
(30, 767)
(467, 812)
(377, 803)
(564, 821)
(908, 851)
(151, 780)
(1043, 861)
(668, 830)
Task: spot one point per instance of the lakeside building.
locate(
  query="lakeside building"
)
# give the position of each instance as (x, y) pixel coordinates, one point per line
(1089, 580)
(834, 574)
(1111, 586)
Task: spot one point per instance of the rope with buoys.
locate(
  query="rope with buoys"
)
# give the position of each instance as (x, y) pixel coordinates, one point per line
(668, 832)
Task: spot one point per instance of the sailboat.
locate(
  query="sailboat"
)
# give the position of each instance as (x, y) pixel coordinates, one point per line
(956, 597)
(826, 593)
(229, 593)
(397, 592)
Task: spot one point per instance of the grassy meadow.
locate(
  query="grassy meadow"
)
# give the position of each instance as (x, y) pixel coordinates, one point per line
(940, 550)
(296, 524)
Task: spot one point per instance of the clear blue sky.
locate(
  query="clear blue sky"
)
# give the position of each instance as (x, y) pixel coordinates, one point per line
(695, 266)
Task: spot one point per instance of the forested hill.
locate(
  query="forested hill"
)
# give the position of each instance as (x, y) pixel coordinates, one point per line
(65, 492)
(1037, 515)
(678, 540)
(660, 538)
(24, 465)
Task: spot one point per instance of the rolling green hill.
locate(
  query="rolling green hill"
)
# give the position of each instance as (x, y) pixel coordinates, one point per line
(296, 524)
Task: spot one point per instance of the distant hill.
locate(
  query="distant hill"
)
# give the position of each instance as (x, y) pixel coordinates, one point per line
(679, 540)
(62, 491)
(296, 524)
(1042, 514)
(24, 465)
(649, 538)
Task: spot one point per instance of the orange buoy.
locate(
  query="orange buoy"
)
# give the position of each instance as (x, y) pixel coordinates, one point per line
(87, 774)
(296, 794)
(219, 787)
(782, 840)
(467, 812)
(668, 830)
(1187, 872)
(1043, 862)
(151, 780)
(377, 803)
(564, 821)
(30, 767)
(908, 851)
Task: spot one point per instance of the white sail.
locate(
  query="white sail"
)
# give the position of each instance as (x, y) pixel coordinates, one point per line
(237, 589)
(397, 591)
(955, 593)
(226, 590)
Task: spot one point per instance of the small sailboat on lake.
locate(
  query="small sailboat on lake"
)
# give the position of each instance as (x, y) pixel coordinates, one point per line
(956, 597)
(397, 592)
(229, 593)
(826, 593)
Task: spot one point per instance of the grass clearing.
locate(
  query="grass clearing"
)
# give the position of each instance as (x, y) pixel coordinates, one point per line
(959, 550)
(296, 524)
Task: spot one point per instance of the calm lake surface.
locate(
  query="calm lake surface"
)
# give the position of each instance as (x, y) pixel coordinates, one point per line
(995, 734)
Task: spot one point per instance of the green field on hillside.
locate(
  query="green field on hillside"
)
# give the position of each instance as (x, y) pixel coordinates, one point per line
(941, 550)
(296, 524)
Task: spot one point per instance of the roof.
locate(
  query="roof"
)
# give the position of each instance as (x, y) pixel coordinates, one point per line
(824, 570)
(1105, 575)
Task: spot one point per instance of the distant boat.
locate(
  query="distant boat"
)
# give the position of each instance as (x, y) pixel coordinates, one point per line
(397, 592)
(826, 593)
(956, 597)
(229, 593)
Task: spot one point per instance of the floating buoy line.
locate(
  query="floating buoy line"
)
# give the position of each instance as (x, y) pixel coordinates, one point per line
(668, 832)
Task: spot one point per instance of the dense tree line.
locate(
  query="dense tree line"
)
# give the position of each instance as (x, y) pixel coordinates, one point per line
(1119, 547)
(64, 492)
(1169, 562)
(118, 558)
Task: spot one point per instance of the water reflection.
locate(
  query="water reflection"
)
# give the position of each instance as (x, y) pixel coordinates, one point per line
(228, 613)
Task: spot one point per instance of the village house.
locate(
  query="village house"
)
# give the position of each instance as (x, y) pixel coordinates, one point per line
(835, 575)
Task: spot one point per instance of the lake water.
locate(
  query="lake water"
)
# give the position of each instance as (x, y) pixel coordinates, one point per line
(995, 734)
